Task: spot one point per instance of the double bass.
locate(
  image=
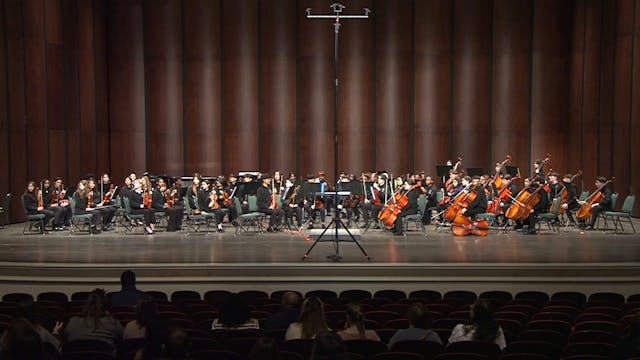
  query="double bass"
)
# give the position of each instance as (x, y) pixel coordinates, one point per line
(595, 197)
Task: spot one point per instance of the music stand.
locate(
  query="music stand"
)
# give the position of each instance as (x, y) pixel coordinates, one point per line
(475, 171)
(337, 223)
(443, 171)
(512, 170)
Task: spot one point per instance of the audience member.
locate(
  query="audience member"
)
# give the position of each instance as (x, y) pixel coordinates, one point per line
(287, 315)
(482, 326)
(235, 315)
(265, 348)
(629, 346)
(355, 329)
(328, 346)
(418, 329)
(311, 321)
(95, 323)
(145, 312)
(29, 311)
(129, 294)
(21, 341)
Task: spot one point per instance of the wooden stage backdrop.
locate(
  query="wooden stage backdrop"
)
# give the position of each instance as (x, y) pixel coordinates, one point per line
(215, 86)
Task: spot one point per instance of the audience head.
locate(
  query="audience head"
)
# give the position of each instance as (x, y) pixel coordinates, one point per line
(328, 345)
(95, 307)
(290, 299)
(234, 311)
(418, 316)
(177, 342)
(486, 328)
(265, 349)
(312, 318)
(128, 278)
(21, 342)
(355, 317)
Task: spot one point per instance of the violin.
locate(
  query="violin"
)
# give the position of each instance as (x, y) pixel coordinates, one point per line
(109, 195)
(90, 199)
(462, 226)
(226, 200)
(595, 197)
(146, 199)
(38, 197)
(213, 196)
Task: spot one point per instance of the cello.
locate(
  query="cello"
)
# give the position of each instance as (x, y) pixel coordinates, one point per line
(392, 208)
(497, 178)
(463, 226)
(595, 197)
(523, 203)
(563, 196)
(460, 201)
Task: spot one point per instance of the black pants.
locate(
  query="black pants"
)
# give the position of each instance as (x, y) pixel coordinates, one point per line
(289, 212)
(95, 218)
(397, 225)
(596, 211)
(275, 216)
(149, 215)
(426, 216)
(174, 217)
(107, 214)
(370, 211)
(58, 218)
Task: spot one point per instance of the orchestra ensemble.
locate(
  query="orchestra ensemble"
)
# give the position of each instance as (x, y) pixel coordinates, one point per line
(468, 203)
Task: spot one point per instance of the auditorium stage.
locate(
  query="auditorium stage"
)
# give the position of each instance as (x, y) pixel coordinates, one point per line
(569, 259)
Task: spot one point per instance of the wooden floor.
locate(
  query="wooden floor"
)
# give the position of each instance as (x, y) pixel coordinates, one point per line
(569, 258)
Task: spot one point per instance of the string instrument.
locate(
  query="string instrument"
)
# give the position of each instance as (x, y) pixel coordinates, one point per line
(595, 197)
(293, 195)
(392, 208)
(213, 197)
(274, 197)
(462, 226)
(146, 199)
(53, 200)
(38, 197)
(545, 161)
(497, 178)
(563, 197)
(504, 194)
(170, 197)
(90, 199)
(523, 204)
(376, 196)
(459, 202)
(109, 195)
(226, 200)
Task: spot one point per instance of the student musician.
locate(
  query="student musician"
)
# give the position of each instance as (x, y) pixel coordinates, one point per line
(411, 208)
(479, 204)
(314, 205)
(541, 207)
(140, 202)
(454, 187)
(266, 204)
(538, 171)
(107, 190)
(430, 190)
(49, 201)
(60, 199)
(572, 204)
(224, 200)
(554, 189)
(604, 205)
(164, 200)
(290, 204)
(505, 198)
(33, 204)
(192, 193)
(84, 205)
(375, 199)
(106, 212)
(231, 187)
(208, 203)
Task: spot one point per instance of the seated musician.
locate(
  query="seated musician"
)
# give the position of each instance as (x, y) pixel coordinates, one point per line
(208, 203)
(541, 207)
(83, 198)
(554, 189)
(430, 190)
(60, 199)
(106, 187)
(455, 185)
(538, 171)
(34, 204)
(290, 204)
(49, 202)
(572, 198)
(374, 201)
(267, 206)
(604, 205)
(107, 213)
(192, 193)
(479, 203)
(137, 204)
(410, 209)
(505, 198)
(164, 200)
(314, 205)
(223, 199)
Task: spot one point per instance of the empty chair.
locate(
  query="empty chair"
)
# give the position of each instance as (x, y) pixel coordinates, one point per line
(524, 356)
(380, 316)
(614, 312)
(17, 297)
(523, 308)
(427, 296)
(560, 326)
(58, 297)
(518, 316)
(499, 298)
(322, 294)
(460, 356)
(543, 348)
(396, 324)
(253, 294)
(366, 348)
(624, 213)
(608, 326)
(633, 298)
(594, 317)
(538, 297)
(397, 356)
(576, 297)
(427, 349)
(355, 295)
(488, 349)
(592, 336)
(553, 315)
(393, 295)
(587, 348)
(80, 296)
(216, 297)
(460, 296)
(157, 295)
(608, 298)
(178, 296)
(553, 337)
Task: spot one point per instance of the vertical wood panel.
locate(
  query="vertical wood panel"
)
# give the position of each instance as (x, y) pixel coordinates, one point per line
(202, 82)
(55, 90)
(622, 97)
(471, 82)
(86, 88)
(278, 84)
(36, 93)
(393, 85)
(126, 87)
(432, 83)
(550, 81)
(635, 111)
(16, 106)
(74, 150)
(101, 86)
(5, 172)
(605, 154)
(355, 103)
(240, 85)
(315, 89)
(163, 57)
(511, 45)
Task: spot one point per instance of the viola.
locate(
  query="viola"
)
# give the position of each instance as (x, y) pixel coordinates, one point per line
(38, 197)
(463, 226)
(595, 197)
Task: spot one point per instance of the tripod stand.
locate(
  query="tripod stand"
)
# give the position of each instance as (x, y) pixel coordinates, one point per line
(335, 226)
(336, 222)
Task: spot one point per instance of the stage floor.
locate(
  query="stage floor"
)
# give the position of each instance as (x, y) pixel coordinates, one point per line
(595, 258)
